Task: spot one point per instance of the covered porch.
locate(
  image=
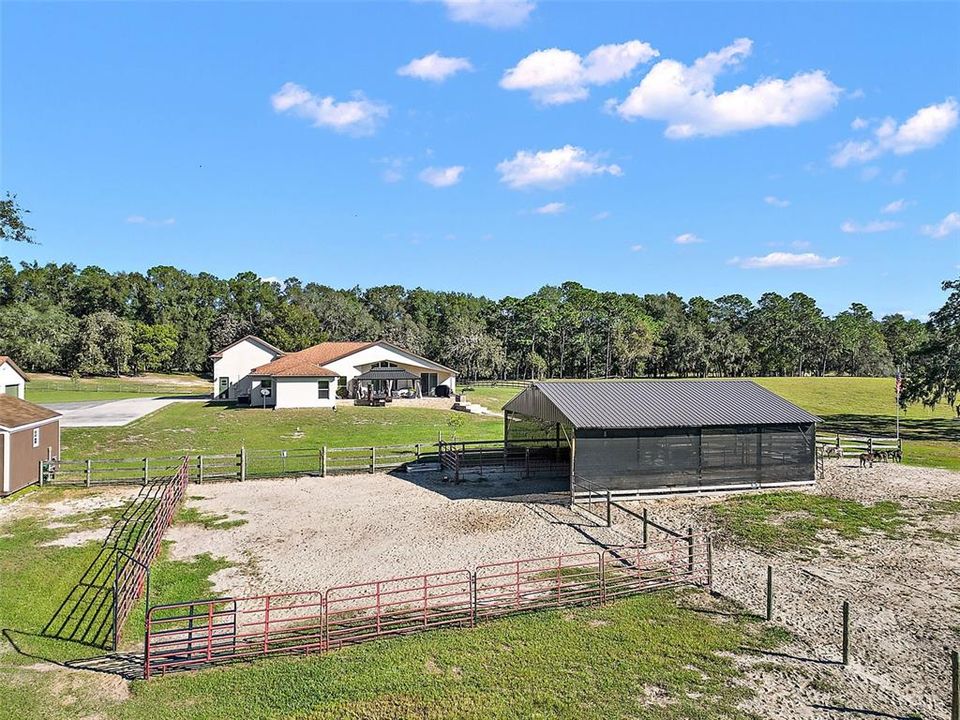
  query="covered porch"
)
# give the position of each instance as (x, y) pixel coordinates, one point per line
(381, 385)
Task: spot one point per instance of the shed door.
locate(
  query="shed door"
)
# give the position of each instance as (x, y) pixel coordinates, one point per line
(224, 387)
(12, 390)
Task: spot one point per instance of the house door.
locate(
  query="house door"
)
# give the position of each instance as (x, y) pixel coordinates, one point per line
(428, 383)
(224, 389)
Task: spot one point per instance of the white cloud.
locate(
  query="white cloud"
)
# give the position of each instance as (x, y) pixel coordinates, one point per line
(687, 239)
(551, 208)
(491, 13)
(806, 261)
(552, 168)
(358, 116)
(950, 224)
(776, 202)
(895, 206)
(141, 220)
(394, 168)
(434, 67)
(441, 177)
(557, 76)
(270, 279)
(602, 215)
(859, 123)
(636, 248)
(684, 96)
(926, 128)
(874, 226)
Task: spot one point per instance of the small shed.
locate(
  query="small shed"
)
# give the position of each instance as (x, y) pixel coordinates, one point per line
(634, 437)
(28, 434)
(13, 380)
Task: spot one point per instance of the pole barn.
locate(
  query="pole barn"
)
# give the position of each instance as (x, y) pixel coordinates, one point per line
(637, 437)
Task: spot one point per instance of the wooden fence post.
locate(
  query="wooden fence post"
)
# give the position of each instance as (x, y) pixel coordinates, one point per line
(418, 451)
(88, 471)
(769, 592)
(845, 646)
(710, 563)
(955, 683)
(870, 446)
(243, 464)
(323, 461)
(146, 470)
(526, 462)
(690, 551)
(644, 528)
(373, 460)
(200, 469)
(608, 509)
(40, 474)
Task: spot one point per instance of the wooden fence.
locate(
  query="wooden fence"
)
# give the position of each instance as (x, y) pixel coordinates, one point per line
(246, 464)
(854, 445)
(138, 388)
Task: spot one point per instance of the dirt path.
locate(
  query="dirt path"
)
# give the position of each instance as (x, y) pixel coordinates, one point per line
(904, 594)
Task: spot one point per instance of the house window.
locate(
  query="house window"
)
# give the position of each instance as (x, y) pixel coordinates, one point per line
(267, 383)
(384, 363)
(36, 437)
(323, 389)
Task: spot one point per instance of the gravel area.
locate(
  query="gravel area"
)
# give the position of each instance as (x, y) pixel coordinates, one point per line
(315, 533)
(904, 595)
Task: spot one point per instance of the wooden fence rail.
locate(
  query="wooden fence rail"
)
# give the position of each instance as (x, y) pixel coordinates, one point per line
(243, 465)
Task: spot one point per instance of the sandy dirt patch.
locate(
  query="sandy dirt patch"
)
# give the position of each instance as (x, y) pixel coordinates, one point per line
(315, 533)
(904, 595)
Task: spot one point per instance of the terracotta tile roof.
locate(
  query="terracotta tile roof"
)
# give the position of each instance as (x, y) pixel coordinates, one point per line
(15, 412)
(8, 359)
(255, 339)
(311, 361)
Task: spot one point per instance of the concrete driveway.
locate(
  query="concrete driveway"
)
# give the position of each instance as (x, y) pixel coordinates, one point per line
(112, 413)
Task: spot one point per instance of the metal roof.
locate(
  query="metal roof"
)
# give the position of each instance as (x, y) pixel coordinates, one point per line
(387, 373)
(657, 404)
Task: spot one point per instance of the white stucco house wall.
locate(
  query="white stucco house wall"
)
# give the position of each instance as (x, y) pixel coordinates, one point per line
(13, 380)
(232, 365)
(253, 371)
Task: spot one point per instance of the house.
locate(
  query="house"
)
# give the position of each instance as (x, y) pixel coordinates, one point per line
(251, 371)
(28, 434)
(635, 437)
(12, 379)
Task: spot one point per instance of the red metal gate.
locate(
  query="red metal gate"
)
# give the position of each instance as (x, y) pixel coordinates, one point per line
(365, 611)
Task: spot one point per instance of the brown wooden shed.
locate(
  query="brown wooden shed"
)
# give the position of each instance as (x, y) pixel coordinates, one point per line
(28, 434)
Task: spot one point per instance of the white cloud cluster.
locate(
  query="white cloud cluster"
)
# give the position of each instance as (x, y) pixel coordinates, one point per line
(551, 208)
(434, 67)
(803, 261)
(950, 224)
(441, 177)
(926, 128)
(555, 76)
(358, 116)
(895, 206)
(552, 168)
(685, 97)
(874, 226)
(776, 202)
(495, 14)
(687, 239)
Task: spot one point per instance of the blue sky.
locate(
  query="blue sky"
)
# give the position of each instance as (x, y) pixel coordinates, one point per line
(812, 147)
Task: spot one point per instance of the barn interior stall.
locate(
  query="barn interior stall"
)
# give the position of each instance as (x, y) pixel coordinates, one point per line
(641, 437)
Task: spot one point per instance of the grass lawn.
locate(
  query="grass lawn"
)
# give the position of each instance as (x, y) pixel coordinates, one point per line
(195, 427)
(48, 388)
(790, 521)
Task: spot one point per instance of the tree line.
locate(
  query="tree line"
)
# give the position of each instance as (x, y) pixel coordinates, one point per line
(61, 318)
